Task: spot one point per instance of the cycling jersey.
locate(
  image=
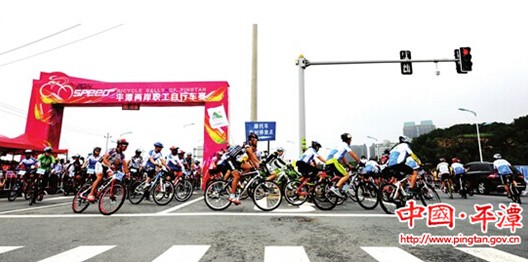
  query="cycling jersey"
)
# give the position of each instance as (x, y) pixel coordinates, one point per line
(136, 162)
(442, 168)
(309, 155)
(342, 149)
(155, 156)
(116, 158)
(28, 162)
(399, 154)
(275, 161)
(371, 167)
(45, 161)
(94, 165)
(412, 163)
(174, 163)
(503, 167)
(458, 168)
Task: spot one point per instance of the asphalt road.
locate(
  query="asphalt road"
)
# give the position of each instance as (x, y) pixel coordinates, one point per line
(190, 231)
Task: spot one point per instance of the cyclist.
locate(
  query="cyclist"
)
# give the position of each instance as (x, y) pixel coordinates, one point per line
(154, 160)
(458, 171)
(336, 163)
(442, 171)
(74, 169)
(135, 164)
(174, 163)
(398, 158)
(112, 161)
(504, 169)
(188, 162)
(27, 163)
(247, 164)
(307, 165)
(45, 161)
(276, 161)
(93, 163)
(372, 169)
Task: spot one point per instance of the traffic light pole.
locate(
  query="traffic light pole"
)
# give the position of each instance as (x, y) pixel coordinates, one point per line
(303, 63)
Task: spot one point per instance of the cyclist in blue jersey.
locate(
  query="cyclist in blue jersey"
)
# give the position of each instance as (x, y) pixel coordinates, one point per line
(155, 159)
(398, 158)
(336, 163)
(174, 162)
(93, 163)
(504, 169)
(307, 165)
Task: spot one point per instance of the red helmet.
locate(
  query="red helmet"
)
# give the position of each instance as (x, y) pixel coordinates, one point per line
(122, 141)
(455, 160)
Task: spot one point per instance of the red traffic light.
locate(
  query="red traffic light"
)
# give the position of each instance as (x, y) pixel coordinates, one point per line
(465, 51)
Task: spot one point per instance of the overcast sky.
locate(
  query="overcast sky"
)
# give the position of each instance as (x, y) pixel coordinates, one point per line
(211, 41)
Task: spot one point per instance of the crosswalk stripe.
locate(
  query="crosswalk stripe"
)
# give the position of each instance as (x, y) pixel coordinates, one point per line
(287, 254)
(491, 254)
(9, 248)
(183, 253)
(389, 254)
(80, 253)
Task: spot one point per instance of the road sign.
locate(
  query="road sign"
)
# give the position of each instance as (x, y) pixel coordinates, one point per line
(406, 67)
(264, 130)
(130, 106)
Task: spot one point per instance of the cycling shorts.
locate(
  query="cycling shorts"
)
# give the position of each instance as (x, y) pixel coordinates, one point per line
(398, 171)
(334, 165)
(445, 176)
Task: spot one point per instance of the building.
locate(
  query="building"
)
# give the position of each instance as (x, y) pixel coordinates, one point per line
(412, 130)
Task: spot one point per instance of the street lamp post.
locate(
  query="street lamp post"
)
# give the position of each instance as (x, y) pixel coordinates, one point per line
(108, 136)
(377, 146)
(125, 133)
(478, 133)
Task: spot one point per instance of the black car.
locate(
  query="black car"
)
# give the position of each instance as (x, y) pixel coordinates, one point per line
(484, 179)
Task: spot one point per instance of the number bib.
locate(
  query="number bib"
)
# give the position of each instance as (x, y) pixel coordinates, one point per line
(90, 171)
(119, 175)
(41, 171)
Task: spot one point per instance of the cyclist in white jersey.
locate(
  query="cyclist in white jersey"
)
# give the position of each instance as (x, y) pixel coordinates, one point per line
(398, 158)
(155, 159)
(335, 163)
(306, 165)
(503, 168)
(93, 163)
(443, 172)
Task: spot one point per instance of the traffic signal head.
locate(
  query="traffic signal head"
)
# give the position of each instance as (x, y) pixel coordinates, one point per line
(465, 59)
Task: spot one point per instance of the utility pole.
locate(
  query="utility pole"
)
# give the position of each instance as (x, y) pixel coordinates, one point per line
(108, 136)
(254, 74)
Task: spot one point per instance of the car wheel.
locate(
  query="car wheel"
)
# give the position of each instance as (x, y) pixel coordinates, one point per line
(481, 189)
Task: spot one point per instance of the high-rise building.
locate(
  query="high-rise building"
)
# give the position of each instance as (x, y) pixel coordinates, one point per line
(412, 130)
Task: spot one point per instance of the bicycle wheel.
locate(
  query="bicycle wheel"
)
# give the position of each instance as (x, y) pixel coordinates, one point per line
(216, 195)
(137, 193)
(112, 198)
(80, 203)
(163, 193)
(13, 193)
(367, 195)
(351, 190)
(428, 195)
(267, 196)
(387, 203)
(323, 197)
(183, 190)
(291, 195)
(515, 195)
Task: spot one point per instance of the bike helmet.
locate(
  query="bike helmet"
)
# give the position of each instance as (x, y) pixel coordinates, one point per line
(47, 149)
(280, 149)
(96, 149)
(172, 148)
(455, 160)
(345, 137)
(76, 156)
(138, 151)
(442, 159)
(158, 144)
(122, 141)
(497, 156)
(28, 151)
(189, 153)
(404, 139)
(316, 144)
(181, 152)
(252, 135)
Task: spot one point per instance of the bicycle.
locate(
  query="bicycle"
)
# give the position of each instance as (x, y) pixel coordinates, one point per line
(448, 185)
(37, 187)
(367, 193)
(20, 186)
(297, 193)
(183, 188)
(110, 193)
(266, 195)
(515, 193)
(161, 190)
(393, 195)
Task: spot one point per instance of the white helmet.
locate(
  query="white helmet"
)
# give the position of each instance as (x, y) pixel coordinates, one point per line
(497, 156)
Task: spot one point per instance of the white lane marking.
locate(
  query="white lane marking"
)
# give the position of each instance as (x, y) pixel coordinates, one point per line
(58, 198)
(166, 211)
(306, 207)
(33, 208)
(286, 254)
(214, 214)
(9, 248)
(183, 253)
(491, 254)
(389, 254)
(80, 253)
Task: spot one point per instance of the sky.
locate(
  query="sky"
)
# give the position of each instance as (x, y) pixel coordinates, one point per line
(212, 40)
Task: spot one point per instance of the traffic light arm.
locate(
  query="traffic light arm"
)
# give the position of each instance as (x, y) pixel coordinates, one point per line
(309, 63)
